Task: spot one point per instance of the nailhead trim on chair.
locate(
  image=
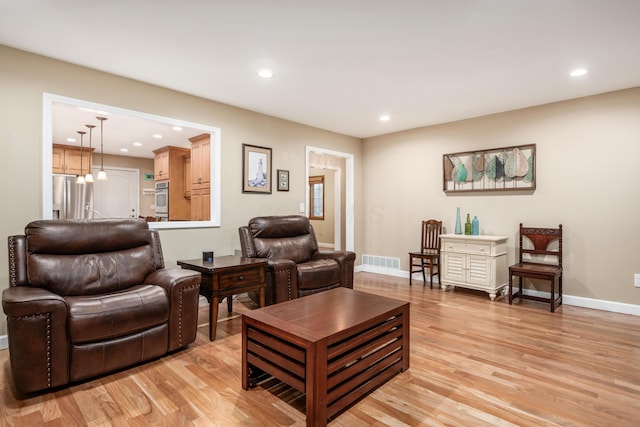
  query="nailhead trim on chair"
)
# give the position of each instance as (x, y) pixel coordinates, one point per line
(181, 306)
(12, 262)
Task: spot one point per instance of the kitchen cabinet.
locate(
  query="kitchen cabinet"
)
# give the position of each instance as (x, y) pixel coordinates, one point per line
(70, 160)
(474, 262)
(200, 161)
(201, 204)
(187, 177)
(169, 163)
(200, 177)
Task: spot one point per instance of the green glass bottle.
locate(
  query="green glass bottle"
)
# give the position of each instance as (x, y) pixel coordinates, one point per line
(467, 226)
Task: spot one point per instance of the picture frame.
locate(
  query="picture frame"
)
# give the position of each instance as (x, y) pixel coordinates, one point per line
(256, 169)
(496, 169)
(283, 180)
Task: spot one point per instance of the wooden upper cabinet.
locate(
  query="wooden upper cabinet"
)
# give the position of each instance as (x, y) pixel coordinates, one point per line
(161, 164)
(169, 163)
(200, 161)
(67, 159)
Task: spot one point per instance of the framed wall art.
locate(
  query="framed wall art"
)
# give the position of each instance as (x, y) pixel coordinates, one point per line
(256, 169)
(496, 169)
(283, 180)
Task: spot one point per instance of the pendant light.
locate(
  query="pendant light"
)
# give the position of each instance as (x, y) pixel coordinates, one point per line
(80, 178)
(89, 176)
(102, 174)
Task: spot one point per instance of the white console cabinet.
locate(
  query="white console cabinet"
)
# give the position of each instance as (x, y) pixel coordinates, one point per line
(475, 262)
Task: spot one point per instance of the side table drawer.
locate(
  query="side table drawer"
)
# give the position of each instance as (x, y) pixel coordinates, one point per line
(240, 278)
(469, 248)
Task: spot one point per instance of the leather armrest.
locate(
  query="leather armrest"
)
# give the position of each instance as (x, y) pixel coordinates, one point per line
(27, 301)
(340, 256)
(283, 281)
(183, 291)
(38, 344)
(346, 259)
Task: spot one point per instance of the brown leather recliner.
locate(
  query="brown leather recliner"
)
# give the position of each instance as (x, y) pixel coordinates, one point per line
(88, 297)
(295, 266)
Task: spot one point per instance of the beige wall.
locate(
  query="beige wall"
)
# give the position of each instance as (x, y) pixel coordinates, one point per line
(588, 160)
(23, 79)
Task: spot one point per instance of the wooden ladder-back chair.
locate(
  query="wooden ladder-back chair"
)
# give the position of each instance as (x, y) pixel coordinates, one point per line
(429, 255)
(541, 239)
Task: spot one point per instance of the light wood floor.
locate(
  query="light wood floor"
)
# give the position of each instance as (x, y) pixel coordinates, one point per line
(473, 363)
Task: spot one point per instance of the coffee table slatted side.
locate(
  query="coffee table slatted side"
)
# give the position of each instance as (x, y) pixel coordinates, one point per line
(354, 371)
(281, 360)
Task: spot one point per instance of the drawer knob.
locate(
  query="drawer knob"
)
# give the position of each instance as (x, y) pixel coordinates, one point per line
(241, 277)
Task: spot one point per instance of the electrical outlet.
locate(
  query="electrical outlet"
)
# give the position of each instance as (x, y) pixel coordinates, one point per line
(636, 280)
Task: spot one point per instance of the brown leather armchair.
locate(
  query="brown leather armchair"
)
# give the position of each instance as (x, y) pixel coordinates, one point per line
(295, 266)
(88, 297)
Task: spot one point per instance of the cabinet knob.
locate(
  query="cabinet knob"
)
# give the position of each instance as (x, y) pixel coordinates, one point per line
(241, 277)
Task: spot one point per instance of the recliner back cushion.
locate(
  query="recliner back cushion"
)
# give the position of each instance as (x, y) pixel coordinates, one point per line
(283, 237)
(82, 257)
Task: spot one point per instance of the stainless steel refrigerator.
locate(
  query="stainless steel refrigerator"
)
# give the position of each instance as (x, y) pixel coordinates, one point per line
(71, 200)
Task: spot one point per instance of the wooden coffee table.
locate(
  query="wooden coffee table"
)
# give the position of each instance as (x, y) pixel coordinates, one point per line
(336, 346)
(224, 277)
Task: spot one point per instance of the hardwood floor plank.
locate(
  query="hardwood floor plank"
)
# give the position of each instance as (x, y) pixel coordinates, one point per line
(474, 362)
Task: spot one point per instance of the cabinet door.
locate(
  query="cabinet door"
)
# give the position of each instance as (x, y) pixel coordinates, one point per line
(187, 177)
(200, 163)
(58, 160)
(478, 270)
(77, 163)
(161, 166)
(201, 204)
(454, 267)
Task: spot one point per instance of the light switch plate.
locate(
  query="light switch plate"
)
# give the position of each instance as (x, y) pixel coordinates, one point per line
(301, 208)
(636, 280)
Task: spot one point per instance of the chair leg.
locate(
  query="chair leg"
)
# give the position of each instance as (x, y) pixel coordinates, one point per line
(430, 275)
(510, 289)
(520, 284)
(424, 277)
(553, 295)
(410, 269)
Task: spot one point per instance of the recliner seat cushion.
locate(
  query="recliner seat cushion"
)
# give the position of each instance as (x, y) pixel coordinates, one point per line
(318, 273)
(103, 317)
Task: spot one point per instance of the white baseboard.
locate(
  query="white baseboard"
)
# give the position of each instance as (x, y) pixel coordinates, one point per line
(612, 306)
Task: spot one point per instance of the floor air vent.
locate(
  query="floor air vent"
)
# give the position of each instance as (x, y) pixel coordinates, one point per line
(381, 261)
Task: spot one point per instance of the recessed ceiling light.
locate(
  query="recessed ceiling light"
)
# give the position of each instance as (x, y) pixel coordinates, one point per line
(385, 118)
(157, 136)
(578, 72)
(265, 74)
(177, 128)
(124, 150)
(71, 140)
(137, 144)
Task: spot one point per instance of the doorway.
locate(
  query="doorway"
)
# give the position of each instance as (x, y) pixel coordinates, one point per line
(341, 164)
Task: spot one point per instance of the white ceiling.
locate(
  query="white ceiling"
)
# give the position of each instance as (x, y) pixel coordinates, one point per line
(338, 64)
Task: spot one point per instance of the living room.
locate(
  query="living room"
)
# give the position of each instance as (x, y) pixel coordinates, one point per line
(587, 155)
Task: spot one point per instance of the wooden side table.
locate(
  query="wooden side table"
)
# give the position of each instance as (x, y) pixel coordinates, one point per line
(224, 277)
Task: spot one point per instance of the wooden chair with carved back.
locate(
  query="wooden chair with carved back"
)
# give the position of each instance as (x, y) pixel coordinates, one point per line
(429, 255)
(534, 263)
